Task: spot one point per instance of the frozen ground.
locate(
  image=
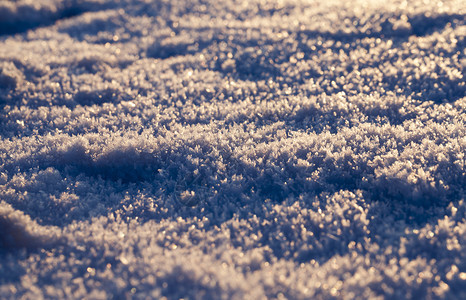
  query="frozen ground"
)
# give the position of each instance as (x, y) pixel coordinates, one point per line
(232, 150)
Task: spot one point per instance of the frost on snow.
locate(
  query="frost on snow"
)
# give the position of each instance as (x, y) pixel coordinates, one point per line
(232, 149)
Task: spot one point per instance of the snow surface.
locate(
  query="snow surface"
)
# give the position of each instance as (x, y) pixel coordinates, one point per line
(232, 149)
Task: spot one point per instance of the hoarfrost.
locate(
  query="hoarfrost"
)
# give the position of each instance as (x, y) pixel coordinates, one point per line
(231, 150)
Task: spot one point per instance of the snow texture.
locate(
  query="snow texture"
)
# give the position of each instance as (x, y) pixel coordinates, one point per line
(232, 149)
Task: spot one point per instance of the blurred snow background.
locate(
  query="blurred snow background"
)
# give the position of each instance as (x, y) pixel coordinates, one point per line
(232, 149)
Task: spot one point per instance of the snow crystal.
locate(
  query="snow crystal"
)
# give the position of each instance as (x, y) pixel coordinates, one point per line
(232, 149)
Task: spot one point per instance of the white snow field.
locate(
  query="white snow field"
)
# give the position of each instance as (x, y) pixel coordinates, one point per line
(220, 149)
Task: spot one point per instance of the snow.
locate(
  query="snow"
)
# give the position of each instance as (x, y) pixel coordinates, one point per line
(232, 149)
